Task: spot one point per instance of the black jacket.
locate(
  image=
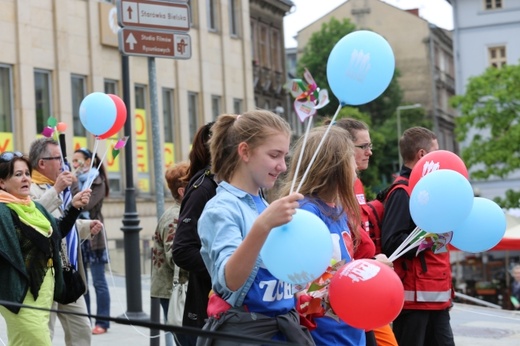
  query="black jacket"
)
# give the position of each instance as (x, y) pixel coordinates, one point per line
(397, 222)
(186, 247)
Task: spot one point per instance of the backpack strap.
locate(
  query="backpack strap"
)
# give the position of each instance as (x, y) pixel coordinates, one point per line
(399, 183)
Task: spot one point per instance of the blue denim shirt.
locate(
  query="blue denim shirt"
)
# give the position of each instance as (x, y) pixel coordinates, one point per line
(226, 220)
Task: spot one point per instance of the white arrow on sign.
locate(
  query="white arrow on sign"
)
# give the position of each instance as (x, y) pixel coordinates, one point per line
(131, 41)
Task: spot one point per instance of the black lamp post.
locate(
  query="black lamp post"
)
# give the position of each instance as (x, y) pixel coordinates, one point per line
(131, 227)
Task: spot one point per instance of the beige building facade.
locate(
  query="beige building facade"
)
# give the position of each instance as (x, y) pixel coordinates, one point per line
(423, 53)
(56, 52)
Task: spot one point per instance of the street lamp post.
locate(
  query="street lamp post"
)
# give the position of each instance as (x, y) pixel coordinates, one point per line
(398, 111)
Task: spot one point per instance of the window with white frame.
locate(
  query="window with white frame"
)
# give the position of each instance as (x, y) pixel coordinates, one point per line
(216, 102)
(492, 4)
(111, 86)
(237, 106)
(193, 109)
(234, 13)
(6, 99)
(497, 56)
(212, 8)
(79, 91)
(43, 98)
(168, 114)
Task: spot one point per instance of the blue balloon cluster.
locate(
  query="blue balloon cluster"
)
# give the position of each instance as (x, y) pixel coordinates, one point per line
(360, 67)
(483, 228)
(97, 113)
(299, 251)
(441, 201)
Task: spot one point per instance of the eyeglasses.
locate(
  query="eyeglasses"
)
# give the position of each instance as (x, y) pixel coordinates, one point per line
(9, 155)
(52, 158)
(364, 147)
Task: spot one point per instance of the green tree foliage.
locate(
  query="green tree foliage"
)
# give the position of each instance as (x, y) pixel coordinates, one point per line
(489, 125)
(379, 114)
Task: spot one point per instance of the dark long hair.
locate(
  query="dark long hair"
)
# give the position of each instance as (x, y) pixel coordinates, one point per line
(200, 157)
(87, 154)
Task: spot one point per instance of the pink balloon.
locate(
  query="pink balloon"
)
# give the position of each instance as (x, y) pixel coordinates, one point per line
(120, 117)
(366, 294)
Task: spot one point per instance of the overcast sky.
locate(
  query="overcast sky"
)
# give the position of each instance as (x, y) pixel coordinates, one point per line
(438, 12)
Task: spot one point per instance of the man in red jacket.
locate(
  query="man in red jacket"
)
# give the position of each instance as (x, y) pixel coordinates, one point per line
(425, 318)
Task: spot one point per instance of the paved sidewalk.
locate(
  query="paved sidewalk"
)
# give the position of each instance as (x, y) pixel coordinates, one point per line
(472, 325)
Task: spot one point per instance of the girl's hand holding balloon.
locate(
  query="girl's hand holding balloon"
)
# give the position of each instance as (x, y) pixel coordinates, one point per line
(280, 211)
(381, 258)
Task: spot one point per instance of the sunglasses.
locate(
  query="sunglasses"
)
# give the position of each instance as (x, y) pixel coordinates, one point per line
(9, 155)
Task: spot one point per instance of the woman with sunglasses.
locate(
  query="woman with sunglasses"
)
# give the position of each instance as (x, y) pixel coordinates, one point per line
(30, 265)
(92, 174)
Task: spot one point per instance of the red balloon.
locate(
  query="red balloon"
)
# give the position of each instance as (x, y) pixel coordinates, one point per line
(435, 160)
(366, 294)
(120, 117)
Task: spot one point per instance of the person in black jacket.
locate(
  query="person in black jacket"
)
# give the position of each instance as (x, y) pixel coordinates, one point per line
(186, 245)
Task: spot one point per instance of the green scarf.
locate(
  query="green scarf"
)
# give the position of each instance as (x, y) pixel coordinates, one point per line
(31, 216)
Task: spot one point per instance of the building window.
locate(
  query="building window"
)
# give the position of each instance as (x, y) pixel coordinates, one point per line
(212, 14)
(237, 106)
(497, 56)
(142, 140)
(111, 86)
(168, 114)
(216, 102)
(6, 100)
(263, 45)
(276, 50)
(193, 110)
(233, 17)
(492, 4)
(42, 90)
(254, 50)
(79, 91)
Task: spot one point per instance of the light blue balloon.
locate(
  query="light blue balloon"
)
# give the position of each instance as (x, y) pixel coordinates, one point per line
(441, 201)
(299, 251)
(97, 113)
(360, 67)
(483, 228)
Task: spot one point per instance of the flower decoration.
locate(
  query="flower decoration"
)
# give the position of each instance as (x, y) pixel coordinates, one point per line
(308, 97)
(118, 146)
(314, 301)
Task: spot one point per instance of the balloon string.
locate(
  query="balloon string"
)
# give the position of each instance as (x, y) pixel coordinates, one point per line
(318, 148)
(90, 180)
(411, 246)
(301, 154)
(398, 252)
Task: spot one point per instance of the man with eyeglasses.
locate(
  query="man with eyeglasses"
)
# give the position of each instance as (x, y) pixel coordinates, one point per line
(50, 182)
(426, 277)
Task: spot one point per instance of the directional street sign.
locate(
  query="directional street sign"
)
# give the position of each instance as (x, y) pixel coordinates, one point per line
(154, 43)
(154, 14)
